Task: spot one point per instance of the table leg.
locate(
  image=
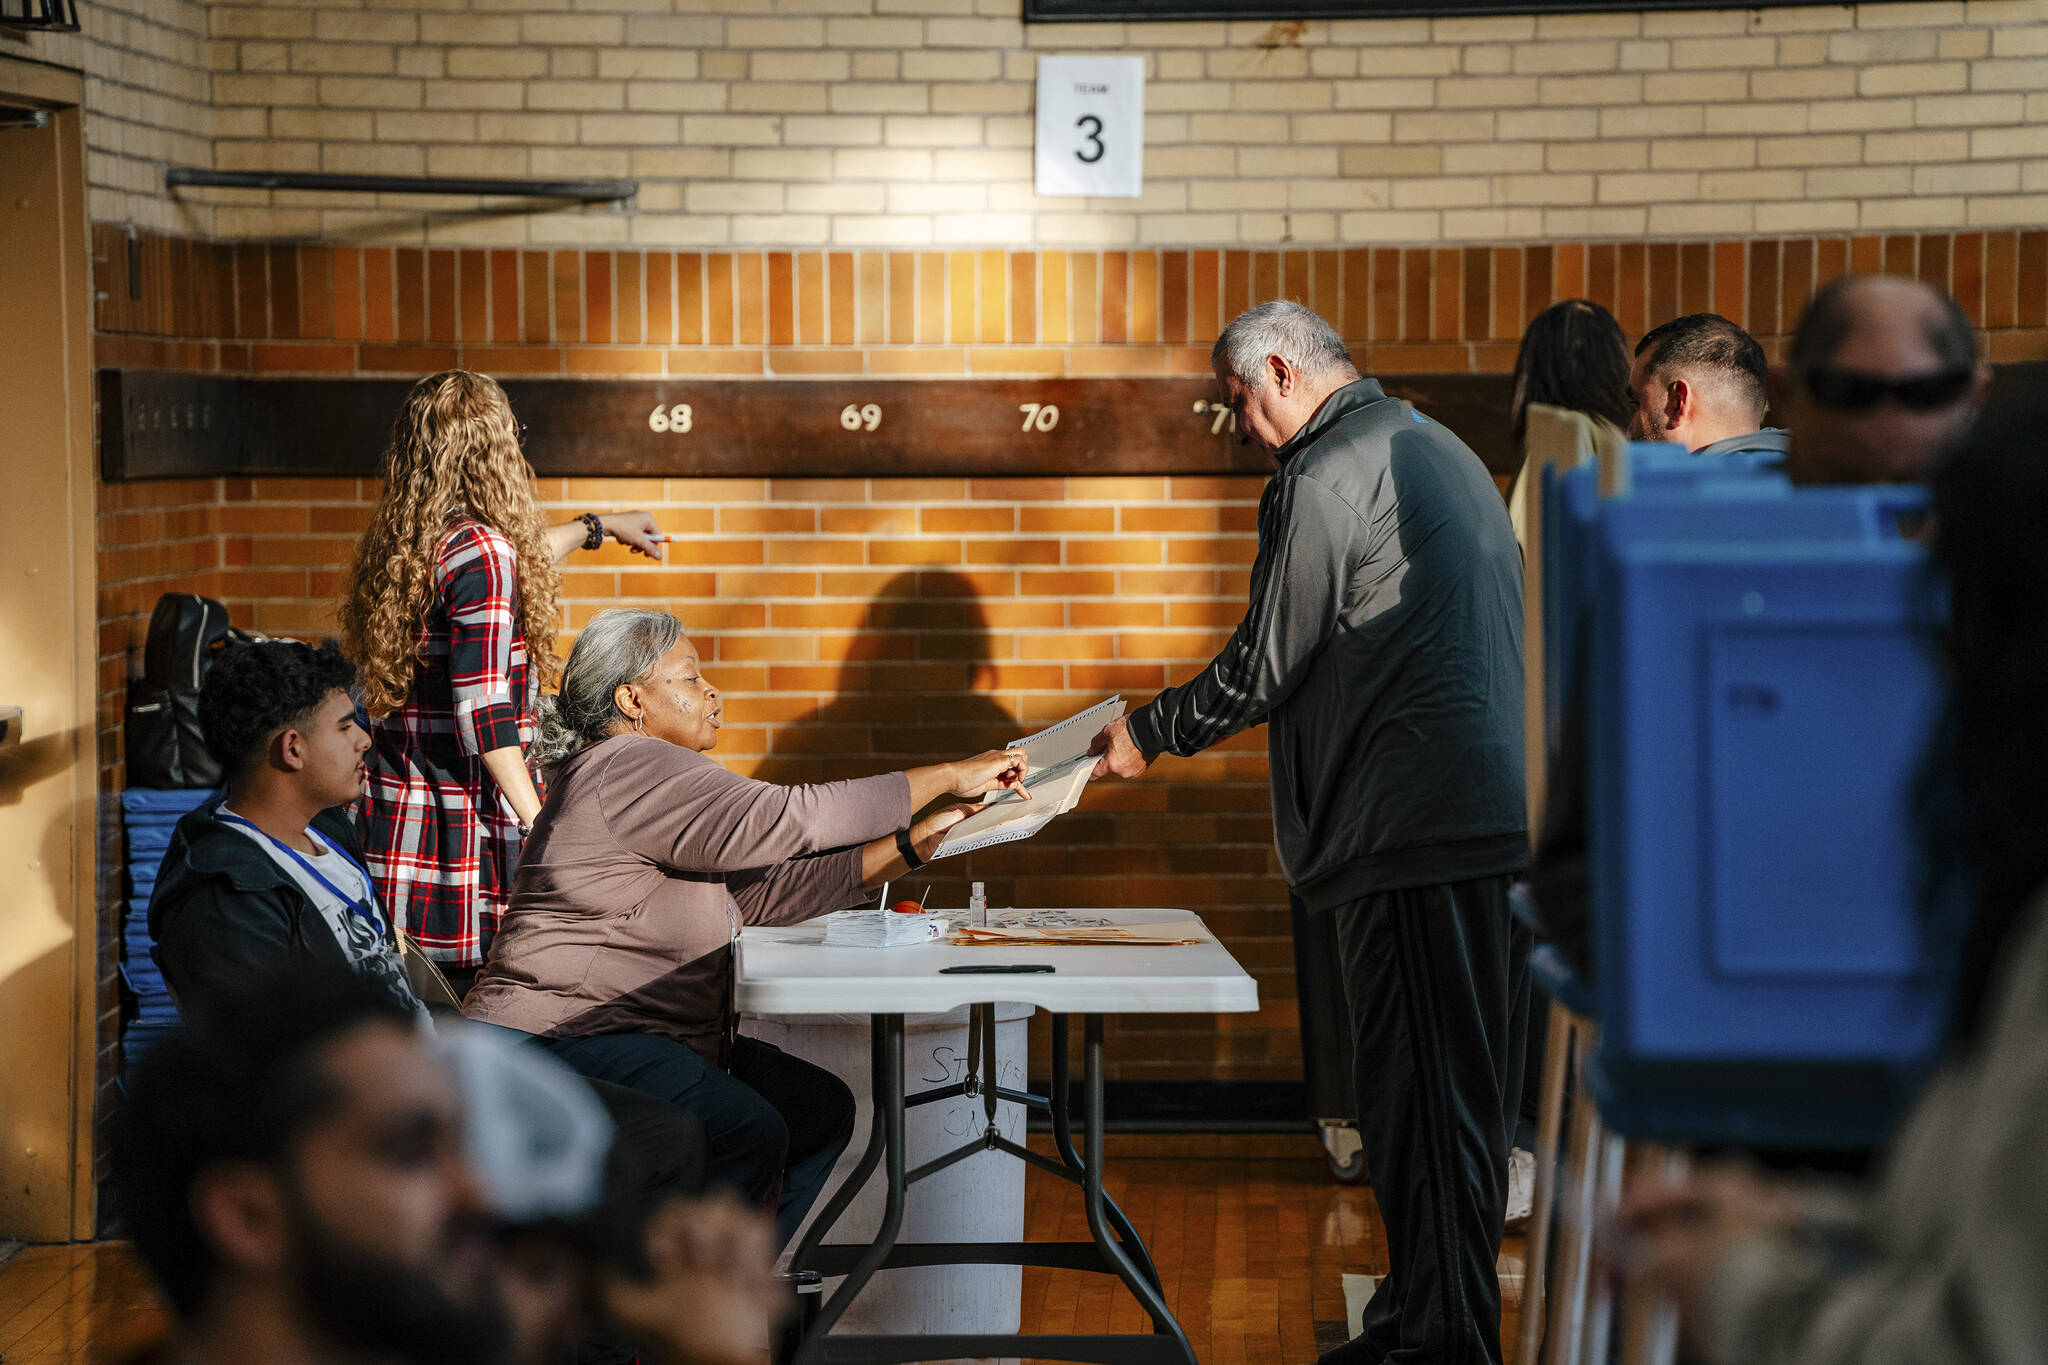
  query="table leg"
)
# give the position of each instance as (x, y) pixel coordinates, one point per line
(887, 1091)
(1117, 1247)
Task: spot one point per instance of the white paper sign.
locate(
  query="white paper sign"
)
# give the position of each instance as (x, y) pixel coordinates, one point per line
(1091, 126)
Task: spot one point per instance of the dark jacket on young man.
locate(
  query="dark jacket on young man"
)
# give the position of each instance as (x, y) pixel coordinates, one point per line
(1383, 648)
(224, 913)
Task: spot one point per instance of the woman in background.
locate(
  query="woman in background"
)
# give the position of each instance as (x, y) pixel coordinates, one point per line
(448, 612)
(1574, 357)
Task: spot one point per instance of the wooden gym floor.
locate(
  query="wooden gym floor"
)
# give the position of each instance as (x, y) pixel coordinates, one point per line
(1250, 1234)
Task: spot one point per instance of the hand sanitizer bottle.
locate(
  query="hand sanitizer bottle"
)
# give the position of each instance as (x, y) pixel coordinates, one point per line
(977, 905)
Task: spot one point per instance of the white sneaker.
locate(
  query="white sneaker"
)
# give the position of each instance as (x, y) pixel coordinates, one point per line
(1521, 1188)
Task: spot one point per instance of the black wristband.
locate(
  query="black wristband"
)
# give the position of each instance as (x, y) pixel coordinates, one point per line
(908, 850)
(593, 530)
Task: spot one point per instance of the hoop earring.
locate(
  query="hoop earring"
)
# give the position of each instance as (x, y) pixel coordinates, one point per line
(638, 727)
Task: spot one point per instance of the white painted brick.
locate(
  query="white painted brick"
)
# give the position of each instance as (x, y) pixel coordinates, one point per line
(1647, 189)
(734, 130)
(684, 163)
(1390, 225)
(1896, 45)
(437, 127)
(1597, 156)
(921, 65)
(1238, 128)
(2028, 41)
(1385, 94)
(1647, 54)
(1484, 225)
(732, 196)
(1543, 189)
(259, 22)
(2015, 73)
(1833, 116)
(572, 30)
(578, 162)
(260, 56)
(1258, 64)
(781, 163)
(1322, 61)
(1210, 195)
(484, 162)
(1552, 125)
(1543, 59)
(1443, 192)
(1697, 54)
(883, 99)
(981, 228)
(1706, 87)
(783, 229)
(1756, 118)
(1858, 182)
(1807, 215)
(1965, 43)
(937, 198)
(1836, 149)
(1803, 84)
(527, 128)
(339, 125)
(1187, 96)
(1286, 161)
(1695, 24)
(1165, 230)
(1911, 213)
(1588, 25)
(839, 130)
(1715, 220)
(1947, 111)
(361, 27)
(1913, 78)
(1982, 177)
(1261, 95)
(1703, 153)
(683, 97)
(723, 66)
(368, 92)
(1802, 19)
(1485, 92)
(1884, 148)
(1752, 186)
(883, 164)
(1491, 158)
(465, 28)
(785, 65)
(1501, 29)
(973, 33)
(1391, 160)
(1623, 89)
(1673, 120)
(682, 230)
(1372, 34)
(631, 129)
(1993, 142)
(424, 62)
(1930, 15)
(576, 96)
(1017, 130)
(1803, 49)
(1487, 59)
(1360, 127)
(2034, 176)
(372, 158)
(1594, 222)
(951, 130)
(2026, 211)
(1112, 229)
(877, 66)
(1337, 194)
(267, 155)
(265, 89)
(1470, 126)
(805, 33)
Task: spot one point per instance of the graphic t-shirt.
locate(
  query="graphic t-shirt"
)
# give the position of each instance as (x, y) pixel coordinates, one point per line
(362, 942)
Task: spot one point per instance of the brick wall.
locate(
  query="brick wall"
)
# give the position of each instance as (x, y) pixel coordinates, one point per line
(908, 122)
(148, 66)
(860, 624)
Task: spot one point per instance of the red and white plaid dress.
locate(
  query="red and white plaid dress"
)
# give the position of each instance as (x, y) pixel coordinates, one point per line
(441, 840)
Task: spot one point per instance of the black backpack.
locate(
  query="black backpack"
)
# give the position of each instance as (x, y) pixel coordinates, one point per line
(162, 724)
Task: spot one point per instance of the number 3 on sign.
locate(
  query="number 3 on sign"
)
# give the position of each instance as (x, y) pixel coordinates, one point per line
(861, 417)
(676, 418)
(1039, 416)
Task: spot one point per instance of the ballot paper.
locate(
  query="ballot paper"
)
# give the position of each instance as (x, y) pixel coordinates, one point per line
(1057, 768)
(881, 929)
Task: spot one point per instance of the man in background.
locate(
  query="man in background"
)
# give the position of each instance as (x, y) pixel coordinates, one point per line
(1702, 382)
(1882, 375)
(1382, 647)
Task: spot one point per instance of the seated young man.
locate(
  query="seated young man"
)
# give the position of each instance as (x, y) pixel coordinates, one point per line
(267, 876)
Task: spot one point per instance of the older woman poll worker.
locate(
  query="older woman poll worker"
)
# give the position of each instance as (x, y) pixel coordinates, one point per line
(645, 861)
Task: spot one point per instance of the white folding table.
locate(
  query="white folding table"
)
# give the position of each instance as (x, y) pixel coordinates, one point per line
(789, 970)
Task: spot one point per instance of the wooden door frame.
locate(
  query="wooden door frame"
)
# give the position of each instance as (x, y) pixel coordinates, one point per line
(72, 1213)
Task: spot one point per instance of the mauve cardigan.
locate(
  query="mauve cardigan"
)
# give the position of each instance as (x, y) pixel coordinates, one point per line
(642, 866)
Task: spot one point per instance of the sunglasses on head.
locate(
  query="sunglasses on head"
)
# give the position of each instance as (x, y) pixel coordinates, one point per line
(1848, 391)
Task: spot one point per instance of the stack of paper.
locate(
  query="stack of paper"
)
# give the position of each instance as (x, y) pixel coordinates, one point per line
(880, 929)
(1117, 936)
(1059, 767)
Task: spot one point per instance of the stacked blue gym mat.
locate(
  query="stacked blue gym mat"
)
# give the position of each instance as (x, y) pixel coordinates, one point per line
(149, 815)
(1754, 659)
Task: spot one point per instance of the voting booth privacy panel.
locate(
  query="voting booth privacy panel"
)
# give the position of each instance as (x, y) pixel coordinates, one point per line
(1760, 684)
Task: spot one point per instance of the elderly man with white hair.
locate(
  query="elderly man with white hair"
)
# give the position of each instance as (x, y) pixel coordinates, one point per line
(1383, 650)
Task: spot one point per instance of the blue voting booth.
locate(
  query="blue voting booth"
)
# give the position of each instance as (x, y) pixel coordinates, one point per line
(1759, 686)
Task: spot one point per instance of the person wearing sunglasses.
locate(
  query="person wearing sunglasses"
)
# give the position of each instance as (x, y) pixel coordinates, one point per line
(1883, 374)
(1701, 382)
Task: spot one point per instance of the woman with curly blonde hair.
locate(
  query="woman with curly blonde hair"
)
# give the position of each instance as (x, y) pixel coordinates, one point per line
(448, 611)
